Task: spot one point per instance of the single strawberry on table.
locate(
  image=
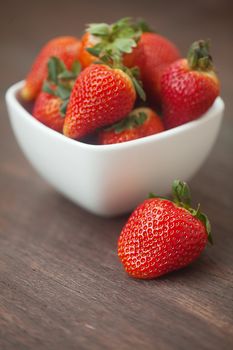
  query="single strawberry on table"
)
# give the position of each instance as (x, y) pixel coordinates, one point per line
(66, 48)
(189, 86)
(102, 95)
(50, 105)
(163, 235)
(139, 123)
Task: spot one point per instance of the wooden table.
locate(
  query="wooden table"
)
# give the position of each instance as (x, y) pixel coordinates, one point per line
(61, 284)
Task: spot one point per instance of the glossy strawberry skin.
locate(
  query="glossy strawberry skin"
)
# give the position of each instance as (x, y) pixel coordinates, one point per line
(65, 48)
(152, 55)
(158, 238)
(47, 111)
(85, 57)
(152, 125)
(100, 97)
(186, 93)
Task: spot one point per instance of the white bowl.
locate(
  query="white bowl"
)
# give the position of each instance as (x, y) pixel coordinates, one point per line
(113, 179)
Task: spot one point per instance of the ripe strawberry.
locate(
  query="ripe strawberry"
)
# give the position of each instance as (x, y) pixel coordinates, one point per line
(50, 105)
(65, 48)
(152, 55)
(101, 96)
(161, 236)
(189, 86)
(139, 123)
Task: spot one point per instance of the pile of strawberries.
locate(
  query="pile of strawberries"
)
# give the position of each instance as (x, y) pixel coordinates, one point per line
(119, 83)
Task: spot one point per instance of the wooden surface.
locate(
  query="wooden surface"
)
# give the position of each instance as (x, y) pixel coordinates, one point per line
(61, 284)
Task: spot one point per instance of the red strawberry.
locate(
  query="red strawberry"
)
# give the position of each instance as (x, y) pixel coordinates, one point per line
(66, 48)
(101, 96)
(189, 86)
(139, 123)
(152, 55)
(161, 236)
(50, 105)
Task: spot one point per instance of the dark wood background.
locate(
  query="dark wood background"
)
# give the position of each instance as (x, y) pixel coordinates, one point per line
(61, 284)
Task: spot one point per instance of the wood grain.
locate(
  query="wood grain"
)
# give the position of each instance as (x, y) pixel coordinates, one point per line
(61, 284)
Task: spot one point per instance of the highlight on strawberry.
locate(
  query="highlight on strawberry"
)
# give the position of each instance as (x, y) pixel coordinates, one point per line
(163, 235)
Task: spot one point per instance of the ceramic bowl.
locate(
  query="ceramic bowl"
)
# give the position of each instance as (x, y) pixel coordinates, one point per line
(112, 179)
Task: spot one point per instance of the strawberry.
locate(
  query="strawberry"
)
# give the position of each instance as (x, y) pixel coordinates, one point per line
(101, 96)
(152, 54)
(139, 123)
(189, 86)
(162, 235)
(50, 105)
(65, 48)
(115, 39)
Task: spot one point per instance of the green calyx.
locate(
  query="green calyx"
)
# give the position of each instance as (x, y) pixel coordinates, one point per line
(199, 57)
(182, 198)
(60, 80)
(117, 38)
(132, 121)
(134, 74)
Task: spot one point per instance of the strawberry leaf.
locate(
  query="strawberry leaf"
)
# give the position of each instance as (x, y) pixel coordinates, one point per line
(132, 121)
(119, 37)
(52, 70)
(181, 192)
(206, 222)
(60, 80)
(55, 67)
(143, 26)
(120, 25)
(99, 29)
(47, 88)
(139, 89)
(204, 219)
(66, 75)
(95, 50)
(64, 107)
(199, 57)
(125, 44)
(76, 68)
(62, 92)
(151, 195)
(126, 33)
